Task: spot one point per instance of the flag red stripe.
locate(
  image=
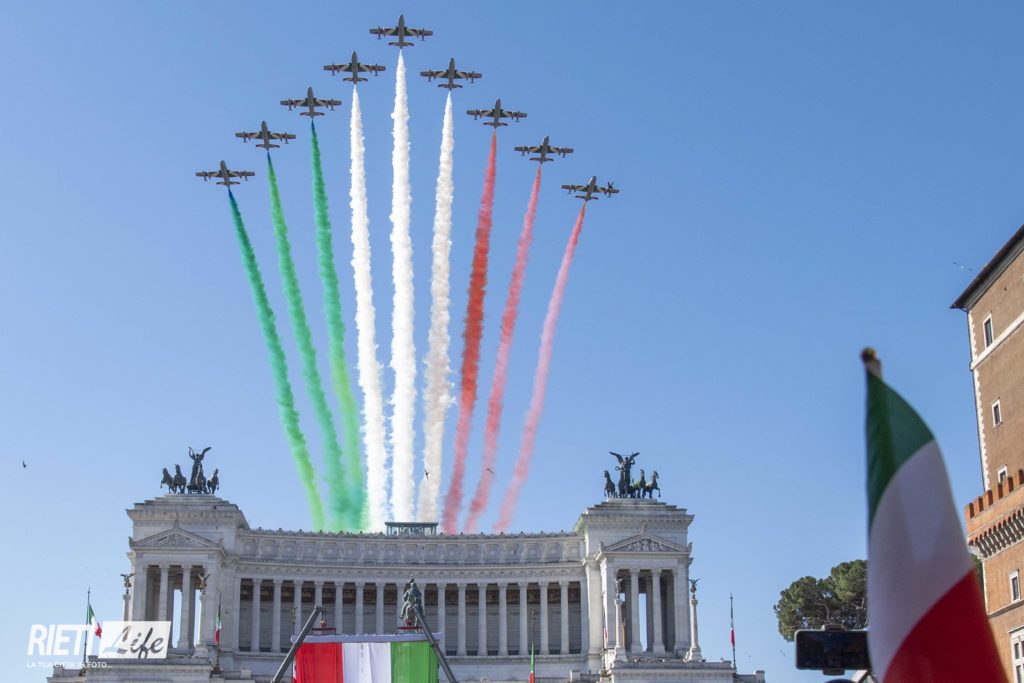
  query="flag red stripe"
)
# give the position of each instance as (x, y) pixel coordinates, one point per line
(952, 642)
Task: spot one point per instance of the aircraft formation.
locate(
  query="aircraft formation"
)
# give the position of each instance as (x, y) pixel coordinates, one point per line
(494, 117)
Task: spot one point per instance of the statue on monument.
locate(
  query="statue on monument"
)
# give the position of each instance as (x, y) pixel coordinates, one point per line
(197, 466)
(412, 603)
(627, 488)
(198, 482)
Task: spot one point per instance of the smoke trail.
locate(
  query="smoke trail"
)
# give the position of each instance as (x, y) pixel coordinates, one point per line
(403, 346)
(285, 397)
(472, 334)
(366, 331)
(497, 396)
(338, 503)
(349, 467)
(540, 379)
(437, 395)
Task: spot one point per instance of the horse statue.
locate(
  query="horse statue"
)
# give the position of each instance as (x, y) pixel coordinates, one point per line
(199, 485)
(649, 489)
(639, 486)
(167, 481)
(609, 485)
(179, 480)
(213, 483)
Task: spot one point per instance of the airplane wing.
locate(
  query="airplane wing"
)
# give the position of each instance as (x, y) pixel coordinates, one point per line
(376, 68)
(470, 75)
(433, 74)
(241, 174)
(347, 68)
(383, 31)
(575, 188)
(206, 175)
(328, 103)
(292, 103)
(528, 149)
(517, 114)
(562, 150)
(418, 32)
(246, 136)
(480, 112)
(282, 136)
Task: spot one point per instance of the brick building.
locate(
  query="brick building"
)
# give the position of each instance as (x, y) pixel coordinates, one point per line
(994, 303)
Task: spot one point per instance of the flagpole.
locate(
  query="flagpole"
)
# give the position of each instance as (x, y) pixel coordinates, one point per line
(88, 607)
(732, 633)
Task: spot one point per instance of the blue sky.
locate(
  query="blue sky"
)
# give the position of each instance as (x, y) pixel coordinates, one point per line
(798, 180)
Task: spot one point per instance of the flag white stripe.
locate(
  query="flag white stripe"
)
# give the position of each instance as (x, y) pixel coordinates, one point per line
(916, 550)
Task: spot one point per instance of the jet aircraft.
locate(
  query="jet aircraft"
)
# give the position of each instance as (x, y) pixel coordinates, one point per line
(496, 115)
(590, 189)
(544, 149)
(354, 68)
(266, 136)
(225, 175)
(401, 31)
(450, 75)
(311, 102)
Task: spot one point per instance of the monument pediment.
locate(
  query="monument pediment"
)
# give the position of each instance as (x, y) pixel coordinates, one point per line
(175, 538)
(645, 543)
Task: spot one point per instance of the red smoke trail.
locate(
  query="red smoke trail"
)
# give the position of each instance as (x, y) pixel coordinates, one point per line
(497, 397)
(540, 379)
(471, 335)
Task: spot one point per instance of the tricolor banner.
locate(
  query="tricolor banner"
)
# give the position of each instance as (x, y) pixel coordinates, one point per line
(330, 659)
(926, 616)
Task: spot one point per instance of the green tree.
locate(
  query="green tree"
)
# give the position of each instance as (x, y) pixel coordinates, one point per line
(839, 598)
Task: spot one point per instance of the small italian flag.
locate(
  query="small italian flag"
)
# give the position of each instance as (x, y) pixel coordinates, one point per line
(92, 621)
(926, 614)
(216, 628)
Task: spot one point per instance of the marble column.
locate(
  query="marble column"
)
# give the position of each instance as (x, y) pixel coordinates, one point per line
(139, 590)
(359, 607)
(439, 622)
(610, 592)
(649, 613)
(481, 620)
(524, 623)
(398, 606)
(191, 617)
(693, 654)
(318, 594)
(544, 618)
(379, 627)
(275, 618)
(339, 602)
(184, 630)
(236, 618)
(296, 607)
(679, 611)
(254, 645)
(634, 611)
(564, 614)
(462, 621)
(161, 604)
(502, 619)
(658, 646)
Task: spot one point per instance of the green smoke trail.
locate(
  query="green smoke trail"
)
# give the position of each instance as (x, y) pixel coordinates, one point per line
(353, 467)
(338, 503)
(285, 398)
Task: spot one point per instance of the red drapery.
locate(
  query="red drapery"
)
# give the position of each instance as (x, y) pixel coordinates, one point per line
(318, 663)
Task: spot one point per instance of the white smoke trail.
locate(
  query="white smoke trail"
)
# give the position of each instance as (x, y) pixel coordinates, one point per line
(403, 346)
(437, 396)
(369, 367)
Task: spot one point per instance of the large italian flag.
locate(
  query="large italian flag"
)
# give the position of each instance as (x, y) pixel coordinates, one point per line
(926, 616)
(328, 659)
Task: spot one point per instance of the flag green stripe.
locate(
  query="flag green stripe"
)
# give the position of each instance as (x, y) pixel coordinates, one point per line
(413, 662)
(894, 432)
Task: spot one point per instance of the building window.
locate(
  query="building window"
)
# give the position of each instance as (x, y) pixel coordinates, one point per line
(1017, 655)
(987, 327)
(1014, 586)
(997, 414)
(1003, 472)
